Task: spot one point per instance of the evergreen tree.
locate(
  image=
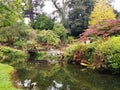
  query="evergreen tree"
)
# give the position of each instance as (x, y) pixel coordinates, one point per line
(79, 15)
(35, 8)
(102, 10)
(42, 22)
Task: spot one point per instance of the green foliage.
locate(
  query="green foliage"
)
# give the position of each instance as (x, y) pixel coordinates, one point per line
(48, 37)
(60, 31)
(11, 56)
(18, 31)
(102, 10)
(20, 44)
(75, 51)
(33, 36)
(108, 52)
(18, 7)
(42, 22)
(5, 77)
(41, 56)
(7, 15)
(45, 56)
(79, 15)
(98, 54)
(70, 40)
(81, 51)
(56, 68)
(70, 50)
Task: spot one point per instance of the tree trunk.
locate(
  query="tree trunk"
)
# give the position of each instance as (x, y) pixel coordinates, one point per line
(10, 40)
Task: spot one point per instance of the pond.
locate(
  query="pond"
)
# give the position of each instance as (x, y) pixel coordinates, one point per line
(68, 77)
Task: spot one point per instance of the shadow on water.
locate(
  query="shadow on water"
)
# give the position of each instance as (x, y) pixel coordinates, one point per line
(69, 77)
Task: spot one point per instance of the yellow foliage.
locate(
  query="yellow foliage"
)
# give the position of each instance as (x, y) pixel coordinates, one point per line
(102, 10)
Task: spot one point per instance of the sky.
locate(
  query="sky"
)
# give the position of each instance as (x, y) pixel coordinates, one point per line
(49, 8)
(117, 5)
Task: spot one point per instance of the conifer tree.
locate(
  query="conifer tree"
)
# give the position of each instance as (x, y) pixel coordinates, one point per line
(102, 10)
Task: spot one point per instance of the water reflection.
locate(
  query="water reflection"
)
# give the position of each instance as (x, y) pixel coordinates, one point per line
(55, 86)
(68, 77)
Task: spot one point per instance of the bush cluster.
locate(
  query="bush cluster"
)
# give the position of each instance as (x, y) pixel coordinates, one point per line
(99, 54)
(48, 37)
(104, 29)
(11, 56)
(109, 53)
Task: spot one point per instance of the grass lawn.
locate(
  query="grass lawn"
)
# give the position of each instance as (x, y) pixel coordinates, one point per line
(5, 77)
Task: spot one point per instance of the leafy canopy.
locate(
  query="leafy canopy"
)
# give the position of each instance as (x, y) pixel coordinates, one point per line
(79, 15)
(102, 10)
(7, 16)
(104, 29)
(42, 22)
(48, 37)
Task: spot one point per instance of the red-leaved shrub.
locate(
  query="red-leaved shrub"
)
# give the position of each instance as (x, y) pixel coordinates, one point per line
(103, 29)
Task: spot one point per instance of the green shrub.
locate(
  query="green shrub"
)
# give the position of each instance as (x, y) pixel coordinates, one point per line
(20, 44)
(70, 40)
(11, 56)
(84, 51)
(59, 30)
(48, 37)
(99, 54)
(41, 56)
(42, 22)
(70, 50)
(109, 53)
(76, 52)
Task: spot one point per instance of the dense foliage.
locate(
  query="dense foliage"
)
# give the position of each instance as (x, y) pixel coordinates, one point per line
(104, 28)
(98, 46)
(60, 31)
(7, 15)
(79, 52)
(108, 52)
(99, 54)
(48, 37)
(11, 56)
(13, 33)
(102, 10)
(79, 15)
(42, 22)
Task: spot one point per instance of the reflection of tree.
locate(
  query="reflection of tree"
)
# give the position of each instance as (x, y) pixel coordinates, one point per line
(51, 72)
(58, 72)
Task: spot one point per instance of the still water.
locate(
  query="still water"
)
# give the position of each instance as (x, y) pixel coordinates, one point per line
(68, 77)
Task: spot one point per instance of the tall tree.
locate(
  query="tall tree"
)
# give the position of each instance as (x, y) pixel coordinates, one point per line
(79, 15)
(62, 9)
(26, 8)
(102, 10)
(17, 30)
(35, 8)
